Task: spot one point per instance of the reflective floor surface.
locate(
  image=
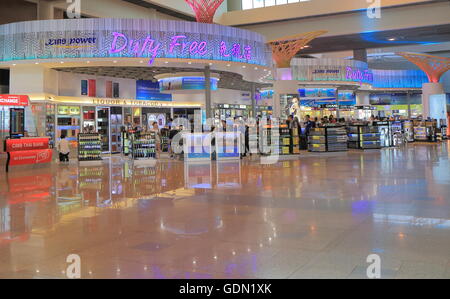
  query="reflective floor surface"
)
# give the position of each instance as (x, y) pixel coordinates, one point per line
(316, 216)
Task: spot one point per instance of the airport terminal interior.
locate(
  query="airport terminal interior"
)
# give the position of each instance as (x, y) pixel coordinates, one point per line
(225, 139)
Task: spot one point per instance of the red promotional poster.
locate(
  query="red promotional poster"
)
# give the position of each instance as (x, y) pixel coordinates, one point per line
(13, 145)
(109, 89)
(30, 157)
(92, 88)
(14, 100)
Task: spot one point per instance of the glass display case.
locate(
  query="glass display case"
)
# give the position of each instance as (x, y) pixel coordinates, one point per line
(103, 127)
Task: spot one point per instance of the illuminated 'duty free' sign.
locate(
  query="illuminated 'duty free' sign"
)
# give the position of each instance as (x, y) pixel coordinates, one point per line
(178, 43)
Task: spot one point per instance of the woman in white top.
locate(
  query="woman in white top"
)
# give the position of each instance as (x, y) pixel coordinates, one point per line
(63, 148)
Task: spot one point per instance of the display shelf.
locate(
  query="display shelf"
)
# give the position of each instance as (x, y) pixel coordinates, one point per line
(364, 137)
(144, 146)
(285, 140)
(328, 139)
(89, 147)
(425, 131)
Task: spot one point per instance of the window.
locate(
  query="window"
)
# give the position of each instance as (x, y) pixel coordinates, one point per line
(249, 4)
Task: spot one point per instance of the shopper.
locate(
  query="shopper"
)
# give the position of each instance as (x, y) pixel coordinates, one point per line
(173, 132)
(155, 129)
(63, 148)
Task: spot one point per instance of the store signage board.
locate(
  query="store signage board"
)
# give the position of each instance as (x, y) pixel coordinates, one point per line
(14, 100)
(30, 157)
(131, 38)
(197, 146)
(13, 145)
(150, 91)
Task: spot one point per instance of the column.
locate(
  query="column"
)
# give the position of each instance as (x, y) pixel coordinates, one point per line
(338, 112)
(283, 85)
(208, 107)
(408, 101)
(253, 97)
(429, 89)
(362, 98)
(45, 10)
(360, 55)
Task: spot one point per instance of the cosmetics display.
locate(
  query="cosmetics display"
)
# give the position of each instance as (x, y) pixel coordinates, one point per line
(144, 146)
(89, 147)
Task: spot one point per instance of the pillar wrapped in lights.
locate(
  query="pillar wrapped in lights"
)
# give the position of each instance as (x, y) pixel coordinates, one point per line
(204, 9)
(283, 50)
(434, 67)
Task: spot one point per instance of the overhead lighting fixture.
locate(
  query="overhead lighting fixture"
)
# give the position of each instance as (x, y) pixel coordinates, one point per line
(243, 66)
(36, 63)
(115, 61)
(392, 39)
(62, 62)
(166, 62)
(142, 61)
(88, 61)
(189, 62)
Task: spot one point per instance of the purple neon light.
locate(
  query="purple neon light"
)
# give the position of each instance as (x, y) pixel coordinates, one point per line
(178, 43)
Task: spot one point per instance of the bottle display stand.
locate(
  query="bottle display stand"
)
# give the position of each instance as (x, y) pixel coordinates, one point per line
(89, 148)
(144, 149)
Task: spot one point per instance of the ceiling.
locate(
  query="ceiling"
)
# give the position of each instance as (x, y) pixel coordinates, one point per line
(228, 80)
(402, 37)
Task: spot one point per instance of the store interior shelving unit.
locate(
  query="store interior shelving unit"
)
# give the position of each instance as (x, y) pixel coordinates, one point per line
(425, 131)
(328, 139)
(285, 140)
(89, 147)
(363, 136)
(144, 146)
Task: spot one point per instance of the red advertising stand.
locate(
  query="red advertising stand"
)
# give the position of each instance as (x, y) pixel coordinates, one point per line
(28, 151)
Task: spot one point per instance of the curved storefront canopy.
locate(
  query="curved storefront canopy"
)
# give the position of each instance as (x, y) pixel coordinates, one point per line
(131, 38)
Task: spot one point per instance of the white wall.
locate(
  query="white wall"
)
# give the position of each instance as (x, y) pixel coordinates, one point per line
(70, 85)
(221, 96)
(32, 79)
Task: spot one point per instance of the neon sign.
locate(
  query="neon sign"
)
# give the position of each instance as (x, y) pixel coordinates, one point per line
(178, 44)
(358, 75)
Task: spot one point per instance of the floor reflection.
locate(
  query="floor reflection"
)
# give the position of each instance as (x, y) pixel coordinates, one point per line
(316, 216)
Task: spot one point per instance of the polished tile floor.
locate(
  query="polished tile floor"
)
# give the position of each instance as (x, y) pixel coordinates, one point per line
(316, 216)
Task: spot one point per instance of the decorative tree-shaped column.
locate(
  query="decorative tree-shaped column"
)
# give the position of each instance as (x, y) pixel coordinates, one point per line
(433, 66)
(284, 49)
(204, 9)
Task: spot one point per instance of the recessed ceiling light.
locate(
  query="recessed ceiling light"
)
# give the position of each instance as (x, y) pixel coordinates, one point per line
(228, 64)
(166, 62)
(189, 62)
(88, 61)
(392, 39)
(14, 64)
(36, 63)
(243, 66)
(62, 62)
(256, 68)
(142, 61)
(115, 61)
(210, 63)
